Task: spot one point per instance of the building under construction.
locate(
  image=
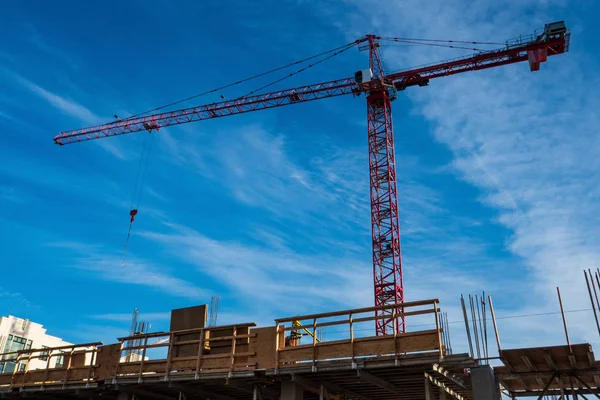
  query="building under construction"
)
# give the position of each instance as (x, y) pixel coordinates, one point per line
(289, 361)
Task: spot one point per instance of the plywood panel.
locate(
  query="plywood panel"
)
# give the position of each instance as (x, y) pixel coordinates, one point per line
(407, 343)
(263, 345)
(78, 359)
(106, 360)
(188, 318)
(5, 379)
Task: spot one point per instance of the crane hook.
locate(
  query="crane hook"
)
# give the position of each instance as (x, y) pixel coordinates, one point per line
(132, 213)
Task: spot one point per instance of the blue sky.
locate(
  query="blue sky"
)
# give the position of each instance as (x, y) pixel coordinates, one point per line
(497, 169)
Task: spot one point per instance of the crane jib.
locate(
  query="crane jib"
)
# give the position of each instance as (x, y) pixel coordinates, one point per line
(556, 42)
(213, 110)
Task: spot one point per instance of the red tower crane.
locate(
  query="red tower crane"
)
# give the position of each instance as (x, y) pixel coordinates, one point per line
(380, 90)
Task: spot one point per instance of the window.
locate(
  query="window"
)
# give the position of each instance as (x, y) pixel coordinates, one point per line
(44, 354)
(9, 367)
(59, 361)
(8, 343)
(13, 345)
(16, 343)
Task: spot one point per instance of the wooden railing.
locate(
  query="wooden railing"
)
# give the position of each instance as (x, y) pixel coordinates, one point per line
(232, 348)
(192, 351)
(352, 347)
(76, 365)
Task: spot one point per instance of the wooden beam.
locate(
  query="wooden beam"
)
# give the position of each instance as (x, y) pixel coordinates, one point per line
(199, 390)
(547, 374)
(331, 387)
(358, 310)
(307, 384)
(550, 361)
(512, 369)
(550, 392)
(251, 389)
(144, 393)
(532, 368)
(573, 361)
(529, 364)
(443, 387)
(377, 381)
(442, 371)
(592, 362)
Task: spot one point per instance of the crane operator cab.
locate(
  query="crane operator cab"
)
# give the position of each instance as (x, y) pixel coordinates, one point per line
(552, 32)
(555, 28)
(363, 76)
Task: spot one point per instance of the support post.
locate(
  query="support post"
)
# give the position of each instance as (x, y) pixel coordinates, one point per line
(291, 391)
(562, 312)
(428, 390)
(495, 326)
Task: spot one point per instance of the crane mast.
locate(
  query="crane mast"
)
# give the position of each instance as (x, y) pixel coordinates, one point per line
(380, 89)
(385, 225)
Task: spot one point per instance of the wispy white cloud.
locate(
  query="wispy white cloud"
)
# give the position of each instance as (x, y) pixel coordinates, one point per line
(124, 317)
(324, 201)
(107, 265)
(9, 193)
(92, 333)
(68, 107)
(15, 302)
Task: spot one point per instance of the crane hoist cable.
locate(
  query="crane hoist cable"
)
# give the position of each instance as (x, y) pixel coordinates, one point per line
(144, 159)
(348, 45)
(440, 41)
(341, 50)
(138, 188)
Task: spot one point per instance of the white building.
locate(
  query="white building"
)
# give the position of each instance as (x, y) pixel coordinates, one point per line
(22, 334)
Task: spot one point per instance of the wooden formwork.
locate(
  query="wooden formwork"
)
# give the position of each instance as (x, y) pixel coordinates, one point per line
(231, 349)
(556, 370)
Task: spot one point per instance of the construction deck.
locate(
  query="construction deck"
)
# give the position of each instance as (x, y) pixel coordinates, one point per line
(243, 361)
(556, 370)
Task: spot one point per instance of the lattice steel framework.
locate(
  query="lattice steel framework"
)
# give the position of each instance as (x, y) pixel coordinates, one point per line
(385, 225)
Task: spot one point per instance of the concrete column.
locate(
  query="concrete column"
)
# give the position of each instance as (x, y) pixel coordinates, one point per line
(291, 391)
(442, 394)
(428, 390)
(484, 383)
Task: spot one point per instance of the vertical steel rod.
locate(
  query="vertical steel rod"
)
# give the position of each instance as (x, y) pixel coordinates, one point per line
(477, 304)
(448, 325)
(487, 347)
(494, 322)
(592, 299)
(594, 286)
(474, 320)
(462, 301)
(562, 312)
